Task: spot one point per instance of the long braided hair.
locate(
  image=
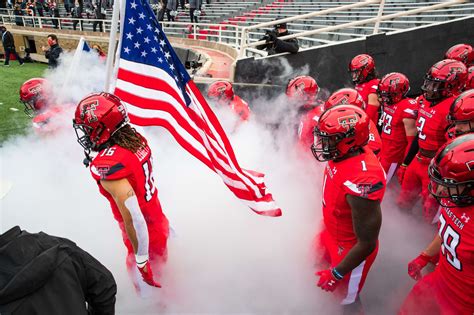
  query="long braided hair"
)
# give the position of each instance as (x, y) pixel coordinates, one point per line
(128, 138)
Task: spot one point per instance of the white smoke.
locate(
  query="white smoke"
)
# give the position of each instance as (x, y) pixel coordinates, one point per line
(222, 258)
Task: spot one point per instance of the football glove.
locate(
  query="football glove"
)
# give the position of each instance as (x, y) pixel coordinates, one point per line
(401, 172)
(327, 281)
(420, 262)
(147, 274)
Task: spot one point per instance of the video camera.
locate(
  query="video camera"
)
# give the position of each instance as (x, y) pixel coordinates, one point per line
(270, 35)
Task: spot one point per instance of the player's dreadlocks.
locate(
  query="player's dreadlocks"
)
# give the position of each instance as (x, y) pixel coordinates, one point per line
(128, 138)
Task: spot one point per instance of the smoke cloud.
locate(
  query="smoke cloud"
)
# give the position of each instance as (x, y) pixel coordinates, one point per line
(222, 258)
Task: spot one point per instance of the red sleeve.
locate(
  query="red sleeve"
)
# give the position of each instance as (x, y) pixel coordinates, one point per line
(365, 186)
(373, 86)
(110, 167)
(410, 109)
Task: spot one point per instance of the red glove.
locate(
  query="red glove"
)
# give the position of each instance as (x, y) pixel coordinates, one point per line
(401, 173)
(147, 275)
(327, 281)
(417, 264)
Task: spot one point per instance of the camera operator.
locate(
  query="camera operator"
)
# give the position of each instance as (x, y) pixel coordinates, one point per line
(273, 45)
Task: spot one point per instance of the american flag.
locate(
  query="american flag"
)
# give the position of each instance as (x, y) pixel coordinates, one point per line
(158, 91)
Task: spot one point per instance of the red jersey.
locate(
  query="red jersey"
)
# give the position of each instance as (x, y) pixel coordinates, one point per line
(240, 107)
(307, 124)
(116, 163)
(366, 88)
(362, 176)
(394, 138)
(456, 264)
(432, 123)
(375, 142)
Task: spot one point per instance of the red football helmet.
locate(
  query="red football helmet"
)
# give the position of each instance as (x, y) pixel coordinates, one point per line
(98, 116)
(444, 79)
(32, 94)
(461, 52)
(345, 96)
(341, 130)
(393, 87)
(452, 173)
(461, 114)
(303, 90)
(221, 91)
(470, 78)
(360, 67)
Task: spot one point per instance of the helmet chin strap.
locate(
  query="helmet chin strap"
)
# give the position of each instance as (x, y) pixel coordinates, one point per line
(87, 160)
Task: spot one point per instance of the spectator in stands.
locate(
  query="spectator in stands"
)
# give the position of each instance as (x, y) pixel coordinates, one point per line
(18, 15)
(171, 9)
(53, 52)
(273, 45)
(99, 14)
(8, 43)
(161, 13)
(30, 8)
(76, 13)
(44, 274)
(38, 8)
(68, 4)
(194, 10)
(54, 13)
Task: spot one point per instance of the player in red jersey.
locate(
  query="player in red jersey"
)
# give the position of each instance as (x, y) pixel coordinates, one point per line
(470, 79)
(461, 115)
(223, 94)
(353, 188)
(34, 94)
(352, 97)
(398, 120)
(363, 74)
(123, 171)
(449, 288)
(302, 92)
(461, 52)
(442, 85)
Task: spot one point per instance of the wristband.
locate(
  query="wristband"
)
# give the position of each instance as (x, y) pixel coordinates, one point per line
(141, 260)
(336, 274)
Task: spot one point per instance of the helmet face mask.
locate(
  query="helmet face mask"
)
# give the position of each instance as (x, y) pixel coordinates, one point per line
(444, 79)
(30, 109)
(461, 115)
(341, 131)
(392, 88)
(434, 89)
(33, 95)
(83, 134)
(448, 192)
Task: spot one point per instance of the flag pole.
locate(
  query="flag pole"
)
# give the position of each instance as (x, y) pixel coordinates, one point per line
(112, 42)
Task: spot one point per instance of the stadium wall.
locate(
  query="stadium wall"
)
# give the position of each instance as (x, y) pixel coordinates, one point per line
(411, 52)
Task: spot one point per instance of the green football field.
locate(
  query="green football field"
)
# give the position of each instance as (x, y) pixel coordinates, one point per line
(13, 120)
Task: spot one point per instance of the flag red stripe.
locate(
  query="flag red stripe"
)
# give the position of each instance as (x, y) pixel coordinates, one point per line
(164, 123)
(149, 82)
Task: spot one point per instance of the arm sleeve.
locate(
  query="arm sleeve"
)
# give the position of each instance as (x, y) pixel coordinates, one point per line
(411, 152)
(290, 45)
(100, 287)
(262, 46)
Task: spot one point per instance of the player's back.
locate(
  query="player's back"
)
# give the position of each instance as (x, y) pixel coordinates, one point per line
(393, 134)
(361, 176)
(456, 264)
(116, 162)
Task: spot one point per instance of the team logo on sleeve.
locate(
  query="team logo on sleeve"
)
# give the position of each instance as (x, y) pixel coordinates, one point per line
(347, 121)
(364, 189)
(101, 171)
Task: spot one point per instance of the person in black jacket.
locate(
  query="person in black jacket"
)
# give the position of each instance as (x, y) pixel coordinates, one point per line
(9, 46)
(98, 15)
(44, 274)
(53, 52)
(274, 45)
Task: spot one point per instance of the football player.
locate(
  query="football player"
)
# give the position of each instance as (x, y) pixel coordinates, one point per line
(302, 92)
(352, 97)
(443, 83)
(35, 96)
(398, 120)
(449, 288)
(461, 52)
(461, 115)
(123, 171)
(353, 188)
(363, 74)
(222, 93)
